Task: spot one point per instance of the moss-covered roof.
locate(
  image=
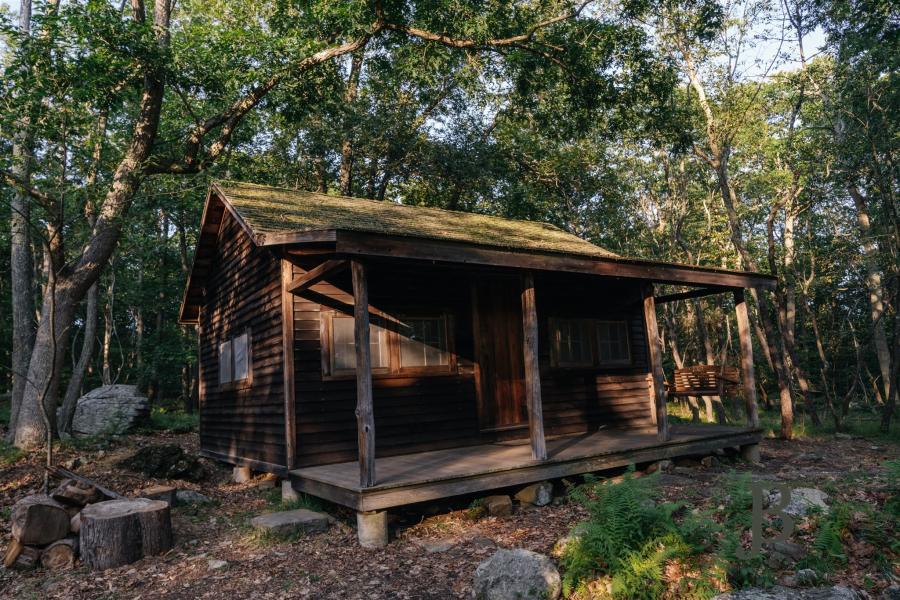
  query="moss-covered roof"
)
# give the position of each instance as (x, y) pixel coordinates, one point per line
(270, 211)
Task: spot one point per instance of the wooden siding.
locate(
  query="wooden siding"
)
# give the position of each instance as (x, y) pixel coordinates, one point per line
(243, 291)
(432, 412)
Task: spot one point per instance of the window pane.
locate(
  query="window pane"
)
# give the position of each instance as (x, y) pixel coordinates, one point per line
(612, 341)
(343, 345)
(424, 343)
(241, 357)
(225, 362)
(574, 341)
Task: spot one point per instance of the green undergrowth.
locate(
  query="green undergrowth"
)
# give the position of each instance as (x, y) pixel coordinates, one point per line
(9, 454)
(173, 421)
(635, 547)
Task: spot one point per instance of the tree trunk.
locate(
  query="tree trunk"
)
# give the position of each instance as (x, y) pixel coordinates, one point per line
(73, 390)
(347, 144)
(876, 296)
(119, 532)
(21, 260)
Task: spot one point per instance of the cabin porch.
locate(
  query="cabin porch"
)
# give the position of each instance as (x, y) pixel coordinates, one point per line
(426, 476)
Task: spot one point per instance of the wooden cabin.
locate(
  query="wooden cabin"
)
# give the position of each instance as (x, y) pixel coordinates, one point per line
(381, 354)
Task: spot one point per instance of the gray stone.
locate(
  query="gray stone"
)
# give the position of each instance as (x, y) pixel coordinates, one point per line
(891, 593)
(215, 564)
(709, 461)
(559, 548)
(837, 592)
(191, 497)
(292, 522)
(806, 577)
(109, 410)
(519, 574)
(789, 549)
(803, 500)
(538, 494)
(498, 506)
(664, 466)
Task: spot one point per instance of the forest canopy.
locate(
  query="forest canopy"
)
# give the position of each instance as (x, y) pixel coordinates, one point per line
(750, 135)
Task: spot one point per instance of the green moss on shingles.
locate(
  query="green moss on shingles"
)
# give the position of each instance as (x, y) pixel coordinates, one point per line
(269, 210)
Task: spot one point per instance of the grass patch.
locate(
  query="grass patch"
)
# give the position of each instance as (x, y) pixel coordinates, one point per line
(9, 454)
(174, 421)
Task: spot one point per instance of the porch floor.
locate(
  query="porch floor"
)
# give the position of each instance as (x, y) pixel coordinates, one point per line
(423, 476)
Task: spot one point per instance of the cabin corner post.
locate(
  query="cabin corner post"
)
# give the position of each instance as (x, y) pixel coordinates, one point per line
(655, 354)
(748, 374)
(532, 370)
(287, 337)
(365, 417)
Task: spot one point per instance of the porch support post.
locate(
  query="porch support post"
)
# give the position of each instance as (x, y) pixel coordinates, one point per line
(532, 370)
(656, 354)
(365, 417)
(748, 374)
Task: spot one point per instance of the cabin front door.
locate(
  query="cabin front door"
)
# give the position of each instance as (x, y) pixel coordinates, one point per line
(499, 353)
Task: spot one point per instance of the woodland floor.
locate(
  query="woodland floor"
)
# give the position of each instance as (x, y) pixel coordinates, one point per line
(436, 549)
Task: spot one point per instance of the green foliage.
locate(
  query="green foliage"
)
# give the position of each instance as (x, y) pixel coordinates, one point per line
(162, 419)
(629, 536)
(10, 455)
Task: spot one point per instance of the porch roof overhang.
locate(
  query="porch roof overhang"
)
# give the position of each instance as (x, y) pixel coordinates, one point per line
(532, 246)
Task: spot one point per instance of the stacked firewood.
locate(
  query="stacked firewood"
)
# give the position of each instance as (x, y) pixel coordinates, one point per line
(82, 519)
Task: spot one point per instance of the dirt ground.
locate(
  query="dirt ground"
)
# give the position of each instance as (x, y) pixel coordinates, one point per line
(435, 550)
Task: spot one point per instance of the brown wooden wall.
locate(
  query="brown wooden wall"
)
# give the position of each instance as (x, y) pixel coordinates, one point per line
(432, 412)
(243, 291)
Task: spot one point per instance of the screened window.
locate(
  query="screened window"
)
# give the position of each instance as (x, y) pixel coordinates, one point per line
(589, 342)
(234, 359)
(343, 345)
(573, 342)
(416, 345)
(612, 342)
(423, 343)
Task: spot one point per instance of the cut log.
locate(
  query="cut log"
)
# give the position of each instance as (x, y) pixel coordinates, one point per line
(60, 555)
(61, 473)
(27, 558)
(118, 532)
(76, 493)
(12, 553)
(75, 523)
(39, 520)
(166, 493)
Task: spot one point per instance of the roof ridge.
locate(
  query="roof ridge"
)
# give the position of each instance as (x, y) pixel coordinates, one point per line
(451, 211)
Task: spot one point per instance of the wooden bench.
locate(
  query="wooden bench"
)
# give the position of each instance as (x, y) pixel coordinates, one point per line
(704, 380)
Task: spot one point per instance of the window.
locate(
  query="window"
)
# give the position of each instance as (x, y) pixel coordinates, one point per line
(424, 342)
(234, 359)
(405, 346)
(572, 339)
(343, 345)
(612, 342)
(589, 343)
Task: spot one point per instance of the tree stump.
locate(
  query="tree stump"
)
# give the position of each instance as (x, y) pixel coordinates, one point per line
(39, 520)
(118, 532)
(60, 555)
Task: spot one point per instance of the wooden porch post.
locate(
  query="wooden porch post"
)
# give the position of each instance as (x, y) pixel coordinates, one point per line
(532, 370)
(748, 375)
(365, 417)
(656, 354)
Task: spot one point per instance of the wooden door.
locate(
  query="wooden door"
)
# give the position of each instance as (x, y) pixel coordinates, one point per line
(499, 356)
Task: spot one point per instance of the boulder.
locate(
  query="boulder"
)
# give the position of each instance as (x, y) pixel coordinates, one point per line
(498, 506)
(837, 592)
(803, 500)
(191, 497)
(291, 522)
(164, 461)
(538, 494)
(109, 410)
(519, 574)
